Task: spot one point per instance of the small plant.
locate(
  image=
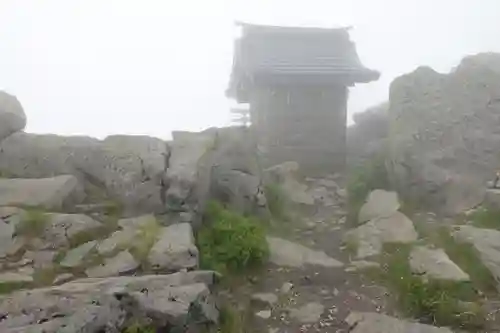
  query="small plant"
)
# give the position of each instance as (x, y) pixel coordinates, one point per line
(140, 328)
(440, 303)
(146, 237)
(230, 242)
(486, 217)
(32, 223)
(231, 321)
(276, 200)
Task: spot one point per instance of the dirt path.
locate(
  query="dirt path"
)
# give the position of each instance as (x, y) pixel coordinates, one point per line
(331, 292)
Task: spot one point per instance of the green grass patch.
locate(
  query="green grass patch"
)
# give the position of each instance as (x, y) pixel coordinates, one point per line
(486, 217)
(230, 242)
(276, 201)
(140, 328)
(147, 235)
(231, 320)
(440, 303)
(364, 179)
(33, 223)
(7, 288)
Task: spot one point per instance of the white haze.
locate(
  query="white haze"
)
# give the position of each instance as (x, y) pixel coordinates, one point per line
(99, 67)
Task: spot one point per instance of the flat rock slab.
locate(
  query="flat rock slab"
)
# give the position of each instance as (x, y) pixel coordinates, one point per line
(370, 236)
(175, 249)
(266, 299)
(309, 313)
(48, 193)
(40, 259)
(15, 277)
(76, 256)
(287, 253)
(380, 203)
(118, 239)
(434, 264)
(122, 263)
(137, 222)
(365, 322)
(486, 242)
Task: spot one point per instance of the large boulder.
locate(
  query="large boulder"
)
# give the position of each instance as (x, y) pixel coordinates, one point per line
(180, 302)
(230, 172)
(12, 117)
(175, 249)
(444, 133)
(49, 193)
(370, 237)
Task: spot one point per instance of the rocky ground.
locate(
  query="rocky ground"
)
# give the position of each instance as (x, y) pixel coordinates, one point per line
(100, 235)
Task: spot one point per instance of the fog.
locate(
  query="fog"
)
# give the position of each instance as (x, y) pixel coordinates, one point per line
(99, 67)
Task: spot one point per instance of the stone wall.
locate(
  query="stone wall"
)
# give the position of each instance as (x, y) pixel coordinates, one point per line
(303, 124)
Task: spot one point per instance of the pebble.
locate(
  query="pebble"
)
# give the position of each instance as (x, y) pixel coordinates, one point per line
(286, 288)
(265, 314)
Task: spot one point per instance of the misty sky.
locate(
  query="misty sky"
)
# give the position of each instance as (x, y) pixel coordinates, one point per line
(100, 67)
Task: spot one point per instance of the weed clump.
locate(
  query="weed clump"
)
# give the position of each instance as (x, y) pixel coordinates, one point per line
(230, 242)
(441, 303)
(486, 217)
(276, 200)
(33, 223)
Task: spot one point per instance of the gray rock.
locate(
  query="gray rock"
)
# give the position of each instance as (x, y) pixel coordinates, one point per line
(492, 198)
(379, 204)
(435, 264)
(187, 149)
(486, 242)
(76, 256)
(358, 265)
(12, 117)
(60, 228)
(444, 134)
(286, 253)
(286, 175)
(40, 259)
(309, 313)
(131, 169)
(365, 322)
(181, 301)
(266, 299)
(286, 288)
(264, 314)
(118, 239)
(230, 173)
(370, 236)
(63, 278)
(49, 193)
(136, 222)
(15, 277)
(175, 249)
(7, 231)
(122, 263)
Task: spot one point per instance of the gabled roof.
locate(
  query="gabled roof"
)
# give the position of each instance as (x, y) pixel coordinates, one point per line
(294, 55)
